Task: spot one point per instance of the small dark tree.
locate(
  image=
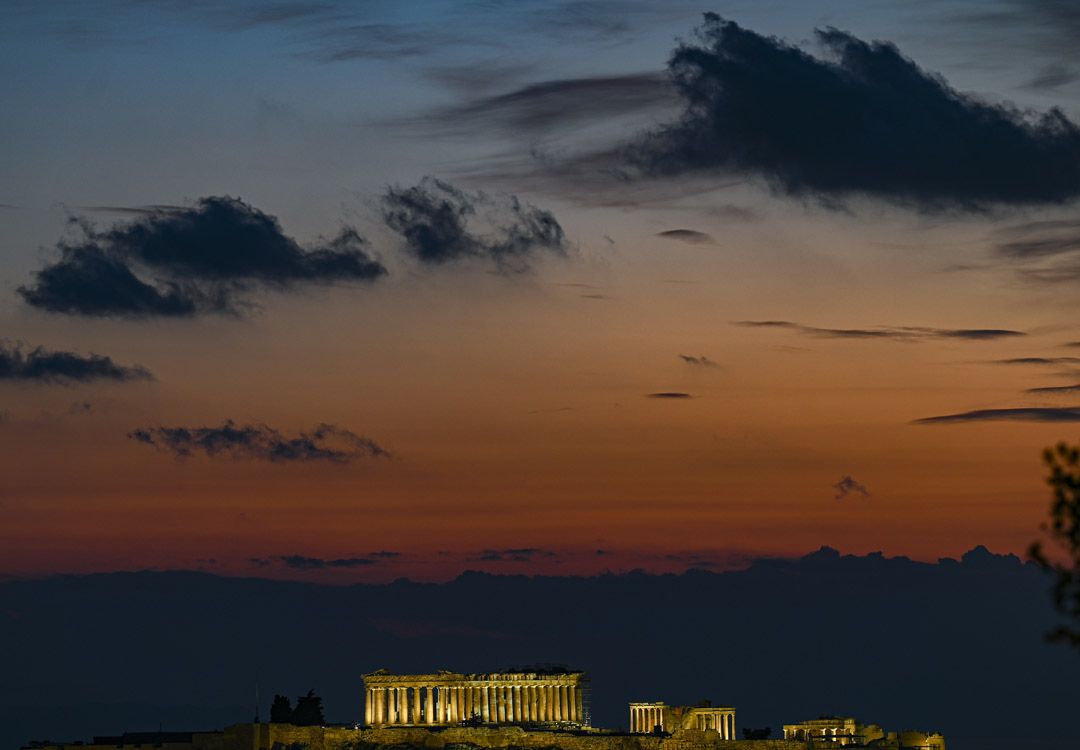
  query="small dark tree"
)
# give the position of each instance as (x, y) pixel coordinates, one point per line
(281, 710)
(756, 734)
(308, 711)
(1064, 532)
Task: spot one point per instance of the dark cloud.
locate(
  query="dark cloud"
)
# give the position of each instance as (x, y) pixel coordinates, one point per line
(1021, 414)
(40, 365)
(441, 223)
(866, 120)
(903, 333)
(701, 361)
(181, 262)
(260, 442)
(668, 394)
(303, 562)
(849, 486)
(690, 236)
(520, 554)
(1051, 389)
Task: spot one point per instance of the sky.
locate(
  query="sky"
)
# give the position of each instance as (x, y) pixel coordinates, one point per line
(360, 291)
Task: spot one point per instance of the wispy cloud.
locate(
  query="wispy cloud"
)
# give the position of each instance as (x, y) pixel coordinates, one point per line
(259, 442)
(1037, 361)
(1050, 389)
(849, 486)
(441, 223)
(303, 562)
(700, 361)
(901, 333)
(547, 107)
(40, 365)
(1019, 414)
(689, 236)
(518, 554)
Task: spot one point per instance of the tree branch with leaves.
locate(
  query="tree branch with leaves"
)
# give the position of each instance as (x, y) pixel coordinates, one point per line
(1062, 557)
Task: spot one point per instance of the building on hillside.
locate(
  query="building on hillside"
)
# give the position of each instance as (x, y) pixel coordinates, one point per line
(647, 718)
(540, 696)
(837, 730)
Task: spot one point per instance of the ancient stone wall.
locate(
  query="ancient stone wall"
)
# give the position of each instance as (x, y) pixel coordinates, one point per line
(288, 737)
(285, 737)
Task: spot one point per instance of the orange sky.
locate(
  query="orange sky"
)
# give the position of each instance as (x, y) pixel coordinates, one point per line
(516, 406)
(518, 416)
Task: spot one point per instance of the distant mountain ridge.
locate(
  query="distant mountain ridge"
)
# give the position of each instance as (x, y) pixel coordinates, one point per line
(903, 643)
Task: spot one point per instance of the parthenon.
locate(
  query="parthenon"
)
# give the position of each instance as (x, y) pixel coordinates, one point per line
(646, 718)
(448, 698)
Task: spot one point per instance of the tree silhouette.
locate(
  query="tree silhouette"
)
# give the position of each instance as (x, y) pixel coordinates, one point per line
(308, 711)
(1063, 562)
(281, 710)
(756, 734)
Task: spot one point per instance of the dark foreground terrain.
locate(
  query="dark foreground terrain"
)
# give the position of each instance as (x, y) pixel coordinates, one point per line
(955, 646)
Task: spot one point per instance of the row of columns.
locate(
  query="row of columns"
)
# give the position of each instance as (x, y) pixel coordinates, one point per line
(491, 704)
(643, 719)
(722, 722)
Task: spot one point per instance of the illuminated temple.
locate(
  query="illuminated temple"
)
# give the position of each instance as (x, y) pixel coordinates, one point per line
(653, 718)
(527, 708)
(450, 699)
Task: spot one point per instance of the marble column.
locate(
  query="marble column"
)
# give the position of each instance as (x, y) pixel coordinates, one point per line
(485, 705)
